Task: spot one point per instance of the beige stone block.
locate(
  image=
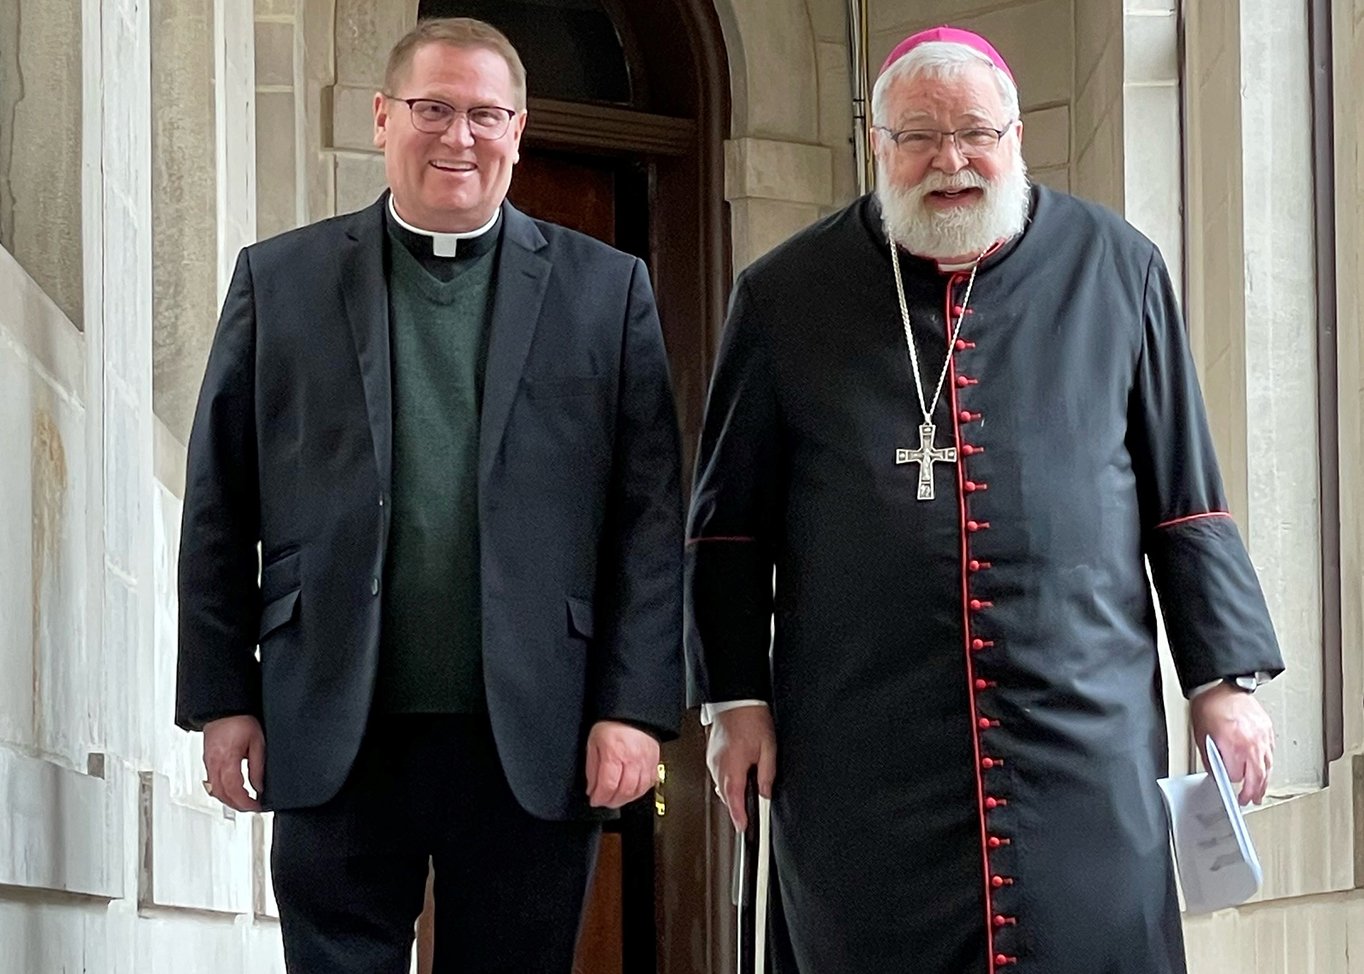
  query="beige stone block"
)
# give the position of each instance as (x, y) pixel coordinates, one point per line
(274, 53)
(318, 171)
(1100, 99)
(1150, 49)
(62, 829)
(184, 205)
(276, 177)
(1098, 25)
(217, 877)
(275, 8)
(774, 92)
(1152, 161)
(1098, 172)
(352, 121)
(319, 40)
(365, 31)
(359, 180)
(168, 458)
(40, 146)
(1046, 137)
(262, 841)
(835, 94)
(829, 19)
(845, 186)
(772, 170)
(1057, 177)
(759, 225)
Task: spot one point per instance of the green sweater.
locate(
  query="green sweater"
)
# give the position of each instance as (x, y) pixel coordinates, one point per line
(431, 645)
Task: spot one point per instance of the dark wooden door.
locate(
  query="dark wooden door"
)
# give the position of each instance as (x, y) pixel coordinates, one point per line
(647, 886)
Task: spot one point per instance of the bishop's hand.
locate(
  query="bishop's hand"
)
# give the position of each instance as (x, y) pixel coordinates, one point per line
(740, 739)
(1243, 733)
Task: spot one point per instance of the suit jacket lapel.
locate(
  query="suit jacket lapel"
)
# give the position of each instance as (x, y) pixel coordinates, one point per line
(365, 291)
(521, 277)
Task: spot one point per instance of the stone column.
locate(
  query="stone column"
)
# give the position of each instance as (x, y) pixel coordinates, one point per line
(40, 145)
(184, 193)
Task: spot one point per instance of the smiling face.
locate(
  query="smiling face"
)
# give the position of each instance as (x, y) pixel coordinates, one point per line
(449, 182)
(938, 202)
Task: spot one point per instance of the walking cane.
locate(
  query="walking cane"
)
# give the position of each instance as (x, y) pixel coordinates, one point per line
(752, 866)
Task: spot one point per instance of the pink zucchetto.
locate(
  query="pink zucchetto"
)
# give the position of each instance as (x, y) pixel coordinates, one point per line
(948, 35)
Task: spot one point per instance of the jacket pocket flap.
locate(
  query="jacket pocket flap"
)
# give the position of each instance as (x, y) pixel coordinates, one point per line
(276, 614)
(280, 577)
(580, 617)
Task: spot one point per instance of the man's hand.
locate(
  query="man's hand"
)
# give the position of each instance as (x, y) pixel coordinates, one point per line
(739, 739)
(622, 764)
(227, 742)
(1243, 734)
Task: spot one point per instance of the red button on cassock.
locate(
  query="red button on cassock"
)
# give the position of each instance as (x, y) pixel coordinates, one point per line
(981, 684)
(962, 382)
(974, 565)
(977, 644)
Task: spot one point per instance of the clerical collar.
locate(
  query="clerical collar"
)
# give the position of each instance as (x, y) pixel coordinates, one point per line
(966, 266)
(430, 243)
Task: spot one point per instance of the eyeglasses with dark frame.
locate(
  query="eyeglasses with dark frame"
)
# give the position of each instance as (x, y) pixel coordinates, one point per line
(972, 141)
(434, 117)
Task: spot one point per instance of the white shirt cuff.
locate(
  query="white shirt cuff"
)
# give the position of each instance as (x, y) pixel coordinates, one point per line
(709, 710)
(1261, 677)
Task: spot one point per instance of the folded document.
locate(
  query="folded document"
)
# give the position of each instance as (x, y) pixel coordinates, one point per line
(1213, 853)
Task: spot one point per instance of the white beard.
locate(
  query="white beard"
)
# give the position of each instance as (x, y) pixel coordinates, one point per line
(963, 231)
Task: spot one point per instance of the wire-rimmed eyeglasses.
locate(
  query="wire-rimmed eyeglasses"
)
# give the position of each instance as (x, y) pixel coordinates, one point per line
(434, 117)
(972, 141)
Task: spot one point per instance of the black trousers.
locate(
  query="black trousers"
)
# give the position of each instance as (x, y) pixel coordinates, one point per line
(350, 875)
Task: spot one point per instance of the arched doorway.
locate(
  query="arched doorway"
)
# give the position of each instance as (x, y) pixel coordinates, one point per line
(629, 109)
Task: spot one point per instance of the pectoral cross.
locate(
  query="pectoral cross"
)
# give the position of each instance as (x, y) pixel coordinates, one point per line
(925, 456)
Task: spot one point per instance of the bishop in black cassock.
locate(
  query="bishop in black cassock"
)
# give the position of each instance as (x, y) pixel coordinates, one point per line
(965, 690)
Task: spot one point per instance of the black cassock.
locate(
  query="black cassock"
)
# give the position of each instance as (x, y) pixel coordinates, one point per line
(966, 690)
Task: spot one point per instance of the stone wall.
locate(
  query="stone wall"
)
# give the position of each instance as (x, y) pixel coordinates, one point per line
(113, 860)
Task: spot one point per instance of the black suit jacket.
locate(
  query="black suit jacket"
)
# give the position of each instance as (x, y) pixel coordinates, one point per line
(580, 522)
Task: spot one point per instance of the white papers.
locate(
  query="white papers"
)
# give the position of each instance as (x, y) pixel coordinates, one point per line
(1213, 853)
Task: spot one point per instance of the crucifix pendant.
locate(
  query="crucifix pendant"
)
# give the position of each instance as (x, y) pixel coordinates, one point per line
(925, 456)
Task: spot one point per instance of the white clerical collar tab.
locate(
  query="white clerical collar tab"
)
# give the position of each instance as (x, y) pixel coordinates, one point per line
(953, 268)
(444, 244)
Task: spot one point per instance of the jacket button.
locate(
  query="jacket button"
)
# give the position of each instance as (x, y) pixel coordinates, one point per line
(374, 585)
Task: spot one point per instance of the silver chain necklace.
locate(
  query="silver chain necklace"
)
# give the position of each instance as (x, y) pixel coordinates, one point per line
(927, 454)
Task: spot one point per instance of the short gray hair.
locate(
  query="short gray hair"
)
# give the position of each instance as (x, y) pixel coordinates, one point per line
(940, 59)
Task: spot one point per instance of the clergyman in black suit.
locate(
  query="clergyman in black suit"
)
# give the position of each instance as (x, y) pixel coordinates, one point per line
(446, 431)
